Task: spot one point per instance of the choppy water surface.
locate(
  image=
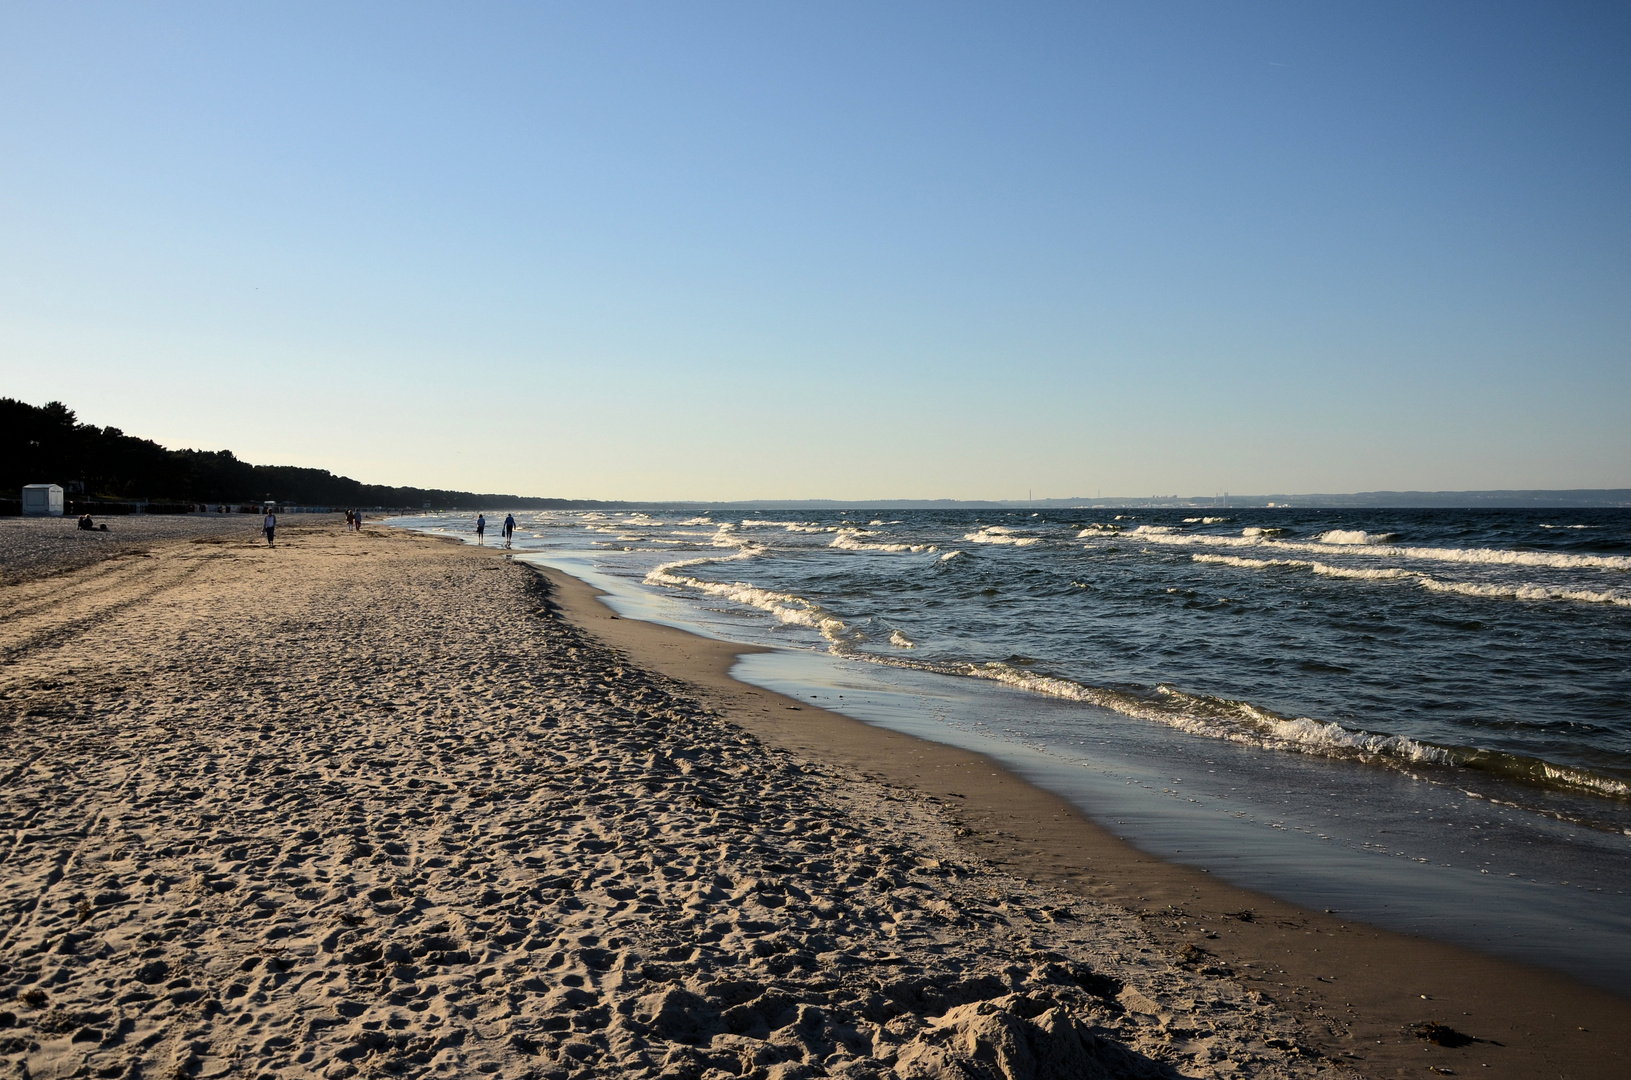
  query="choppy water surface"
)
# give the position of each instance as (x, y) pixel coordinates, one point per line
(1457, 681)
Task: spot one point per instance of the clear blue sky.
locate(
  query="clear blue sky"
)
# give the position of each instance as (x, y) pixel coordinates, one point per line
(831, 250)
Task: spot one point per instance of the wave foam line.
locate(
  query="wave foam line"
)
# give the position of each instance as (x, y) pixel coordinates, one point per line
(996, 534)
(1463, 588)
(787, 608)
(1166, 534)
(846, 541)
(1245, 724)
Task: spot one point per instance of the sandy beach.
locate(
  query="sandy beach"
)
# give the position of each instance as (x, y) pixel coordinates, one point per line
(377, 804)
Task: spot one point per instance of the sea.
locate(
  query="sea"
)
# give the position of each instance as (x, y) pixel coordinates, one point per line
(1417, 718)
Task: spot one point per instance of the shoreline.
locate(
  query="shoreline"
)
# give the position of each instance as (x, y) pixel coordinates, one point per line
(372, 803)
(364, 804)
(1377, 983)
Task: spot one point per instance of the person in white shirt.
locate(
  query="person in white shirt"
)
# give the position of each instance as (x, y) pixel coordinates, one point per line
(268, 525)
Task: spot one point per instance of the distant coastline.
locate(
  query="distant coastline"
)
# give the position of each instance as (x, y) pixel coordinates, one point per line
(1540, 499)
(48, 444)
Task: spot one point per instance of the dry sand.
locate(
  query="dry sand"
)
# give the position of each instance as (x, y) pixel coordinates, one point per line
(370, 804)
(34, 547)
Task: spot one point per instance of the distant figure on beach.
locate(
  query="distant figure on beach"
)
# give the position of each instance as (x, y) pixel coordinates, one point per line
(481, 528)
(269, 525)
(85, 523)
(350, 519)
(356, 520)
(509, 529)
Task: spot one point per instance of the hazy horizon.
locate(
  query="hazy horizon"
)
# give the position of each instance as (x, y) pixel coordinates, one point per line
(646, 253)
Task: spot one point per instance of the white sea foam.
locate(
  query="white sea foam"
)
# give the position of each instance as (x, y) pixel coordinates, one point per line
(757, 523)
(1527, 592)
(846, 541)
(696, 521)
(1493, 590)
(1233, 721)
(1355, 536)
(1256, 530)
(996, 534)
(1250, 564)
(950, 555)
(1602, 785)
(1475, 556)
(1361, 573)
(1096, 528)
(787, 608)
(901, 641)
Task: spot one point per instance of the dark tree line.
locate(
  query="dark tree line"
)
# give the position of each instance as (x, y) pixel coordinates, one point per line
(46, 444)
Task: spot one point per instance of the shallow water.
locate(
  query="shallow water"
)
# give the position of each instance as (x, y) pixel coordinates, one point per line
(1421, 718)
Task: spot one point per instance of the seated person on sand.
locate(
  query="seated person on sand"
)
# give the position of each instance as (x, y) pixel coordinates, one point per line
(85, 524)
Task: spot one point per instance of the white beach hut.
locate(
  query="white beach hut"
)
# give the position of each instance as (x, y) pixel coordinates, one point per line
(42, 500)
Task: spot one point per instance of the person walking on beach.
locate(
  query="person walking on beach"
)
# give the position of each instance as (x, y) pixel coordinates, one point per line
(350, 519)
(509, 529)
(269, 525)
(356, 520)
(481, 528)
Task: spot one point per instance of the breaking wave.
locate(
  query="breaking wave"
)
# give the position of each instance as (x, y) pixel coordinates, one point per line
(1165, 534)
(1355, 536)
(996, 534)
(1246, 724)
(787, 608)
(1518, 591)
(847, 540)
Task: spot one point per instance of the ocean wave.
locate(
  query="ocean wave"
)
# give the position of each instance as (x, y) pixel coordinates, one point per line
(1259, 530)
(1246, 724)
(1098, 527)
(758, 523)
(1356, 537)
(901, 641)
(950, 555)
(1162, 534)
(1492, 590)
(787, 608)
(996, 534)
(1207, 520)
(1221, 718)
(696, 521)
(1526, 592)
(846, 541)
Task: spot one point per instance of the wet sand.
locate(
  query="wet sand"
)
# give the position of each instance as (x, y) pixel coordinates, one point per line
(381, 805)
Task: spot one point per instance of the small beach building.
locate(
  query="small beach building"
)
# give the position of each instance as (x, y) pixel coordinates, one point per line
(42, 500)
